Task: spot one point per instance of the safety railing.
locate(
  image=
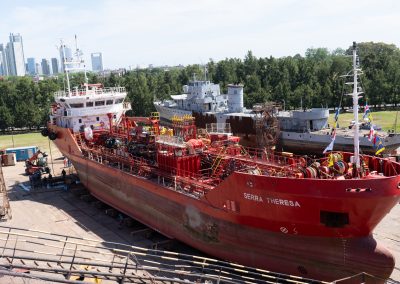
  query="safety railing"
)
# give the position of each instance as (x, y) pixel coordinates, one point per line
(187, 182)
(90, 92)
(61, 258)
(218, 128)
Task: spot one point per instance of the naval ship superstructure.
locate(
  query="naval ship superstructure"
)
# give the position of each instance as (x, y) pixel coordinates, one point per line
(299, 131)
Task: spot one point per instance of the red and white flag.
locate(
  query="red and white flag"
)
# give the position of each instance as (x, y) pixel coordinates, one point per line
(371, 133)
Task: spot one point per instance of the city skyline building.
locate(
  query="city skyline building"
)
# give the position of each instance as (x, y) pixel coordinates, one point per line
(15, 55)
(3, 61)
(65, 54)
(14, 63)
(31, 66)
(45, 66)
(97, 61)
(39, 69)
(54, 65)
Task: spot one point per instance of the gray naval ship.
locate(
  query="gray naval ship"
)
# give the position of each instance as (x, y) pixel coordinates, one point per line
(297, 131)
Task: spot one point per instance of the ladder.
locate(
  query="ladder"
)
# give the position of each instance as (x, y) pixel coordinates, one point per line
(219, 163)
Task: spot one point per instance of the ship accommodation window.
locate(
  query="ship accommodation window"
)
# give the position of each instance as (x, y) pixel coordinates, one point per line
(109, 102)
(78, 105)
(334, 219)
(99, 103)
(80, 120)
(118, 101)
(98, 118)
(89, 104)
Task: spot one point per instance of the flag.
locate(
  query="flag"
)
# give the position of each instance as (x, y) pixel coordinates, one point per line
(330, 146)
(337, 114)
(336, 123)
(378, 145)
(333, 134)
(381, 148)
(366, 111)
(371, 133)
(370, 117)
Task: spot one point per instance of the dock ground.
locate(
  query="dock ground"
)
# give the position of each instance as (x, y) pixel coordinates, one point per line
(388, 233)
(58, 211)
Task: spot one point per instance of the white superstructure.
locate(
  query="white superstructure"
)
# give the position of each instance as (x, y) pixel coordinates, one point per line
(235, 98)
(203, 97)
(90, 106)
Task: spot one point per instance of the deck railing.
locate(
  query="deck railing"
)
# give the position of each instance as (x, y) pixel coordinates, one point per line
(218, 128)
(90, 92)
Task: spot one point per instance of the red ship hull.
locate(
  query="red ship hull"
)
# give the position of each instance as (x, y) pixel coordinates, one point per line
(263, 222)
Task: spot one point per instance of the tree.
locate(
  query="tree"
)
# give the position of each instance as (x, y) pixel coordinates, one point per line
(6, 119)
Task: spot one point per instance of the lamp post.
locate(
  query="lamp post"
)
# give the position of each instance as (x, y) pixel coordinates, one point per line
(12, 137)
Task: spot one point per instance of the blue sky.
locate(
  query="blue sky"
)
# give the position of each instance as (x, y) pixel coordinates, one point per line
(159, 32)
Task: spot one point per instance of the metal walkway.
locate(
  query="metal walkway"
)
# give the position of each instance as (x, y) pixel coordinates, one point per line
(66, 259)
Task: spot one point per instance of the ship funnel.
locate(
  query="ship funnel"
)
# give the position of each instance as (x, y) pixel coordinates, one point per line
(235, 98)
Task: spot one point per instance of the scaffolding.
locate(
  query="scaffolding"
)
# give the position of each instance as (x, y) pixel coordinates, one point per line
(266, 124)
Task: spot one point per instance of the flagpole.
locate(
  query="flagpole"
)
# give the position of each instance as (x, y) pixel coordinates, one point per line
(355, 109)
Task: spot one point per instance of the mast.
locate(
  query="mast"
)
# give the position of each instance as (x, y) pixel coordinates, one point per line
(70, 64)
(78, 55)
(355, 109)
(65, 67)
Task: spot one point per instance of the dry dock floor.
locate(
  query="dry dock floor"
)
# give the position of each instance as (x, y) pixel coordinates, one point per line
(58, 211)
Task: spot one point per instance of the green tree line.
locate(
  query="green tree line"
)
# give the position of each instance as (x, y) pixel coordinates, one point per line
(312, 80)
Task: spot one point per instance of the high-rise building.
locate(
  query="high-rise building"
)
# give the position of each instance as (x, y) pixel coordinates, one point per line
(9, 59)
(15, 55)
(45, 67)
(97, 62)
(39, 69)
(54, 65)
(31, 66)
(65, 54)
(3, 61)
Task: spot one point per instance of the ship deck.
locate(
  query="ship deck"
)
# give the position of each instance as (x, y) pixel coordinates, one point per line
(63, 213)
(347, 132)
